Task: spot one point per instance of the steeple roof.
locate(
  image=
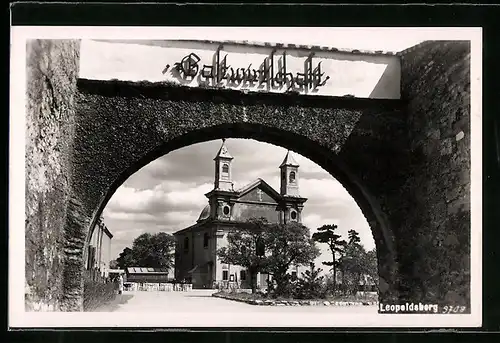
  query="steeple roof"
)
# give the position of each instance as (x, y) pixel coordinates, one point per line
(223, 153)
(289, 160)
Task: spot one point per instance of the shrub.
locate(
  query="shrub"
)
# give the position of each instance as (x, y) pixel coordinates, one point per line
(284, 289)
(332, 287)
(311, 285)
(96, 294)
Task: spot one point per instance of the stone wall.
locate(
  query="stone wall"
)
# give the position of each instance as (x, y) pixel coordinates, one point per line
(52, 70)
(435, 252)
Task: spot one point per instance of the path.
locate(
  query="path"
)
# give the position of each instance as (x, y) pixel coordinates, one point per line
(201, 301)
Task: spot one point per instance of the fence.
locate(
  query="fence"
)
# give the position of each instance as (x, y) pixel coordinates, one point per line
(157, 287)
(230, 285)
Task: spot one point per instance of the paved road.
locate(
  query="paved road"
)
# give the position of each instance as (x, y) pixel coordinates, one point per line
(201, 301)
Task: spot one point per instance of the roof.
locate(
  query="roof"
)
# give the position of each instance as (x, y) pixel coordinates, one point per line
(223, 153)
(105, 229)
(144, 270)
(256, 183)
(116, 271)
(107, 232)
(247, 188)
(205, 213)
(289, 160)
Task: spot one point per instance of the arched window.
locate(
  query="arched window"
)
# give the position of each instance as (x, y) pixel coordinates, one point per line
(205, 240)
(292, 177)
(225, 168)
(186, 244)
(293, 215)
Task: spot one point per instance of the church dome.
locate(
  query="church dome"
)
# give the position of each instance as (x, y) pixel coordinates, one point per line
(205, 213)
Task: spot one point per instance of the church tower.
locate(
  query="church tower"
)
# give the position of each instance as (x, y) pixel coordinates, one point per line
(223, 175)
(289, 176)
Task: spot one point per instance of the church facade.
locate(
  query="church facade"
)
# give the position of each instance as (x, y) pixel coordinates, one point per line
(196, 259)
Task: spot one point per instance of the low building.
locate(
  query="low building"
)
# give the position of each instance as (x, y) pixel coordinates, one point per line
(147, 275)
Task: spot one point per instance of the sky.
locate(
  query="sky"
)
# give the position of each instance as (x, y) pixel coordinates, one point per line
(168, 194)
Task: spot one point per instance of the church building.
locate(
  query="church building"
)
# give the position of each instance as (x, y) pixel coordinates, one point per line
(196, 249)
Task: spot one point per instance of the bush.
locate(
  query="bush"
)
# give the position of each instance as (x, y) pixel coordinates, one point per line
(311, 285)
(285, 289)
(96, 294)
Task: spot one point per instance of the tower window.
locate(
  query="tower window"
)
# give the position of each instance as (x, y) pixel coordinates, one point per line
(225, 168)
(293, 215)
(292, 176)
(225, 210)
(186, 245)
(205, 240)
(283, 175)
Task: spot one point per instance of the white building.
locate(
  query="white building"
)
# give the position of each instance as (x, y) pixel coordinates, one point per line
(99, 253)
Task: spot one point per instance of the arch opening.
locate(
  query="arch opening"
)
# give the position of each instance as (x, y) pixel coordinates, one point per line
(320, 155)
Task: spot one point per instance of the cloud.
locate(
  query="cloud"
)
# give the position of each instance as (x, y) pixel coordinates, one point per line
(161, 199)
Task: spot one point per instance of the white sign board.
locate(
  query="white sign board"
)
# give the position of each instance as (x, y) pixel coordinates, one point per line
(244, 67)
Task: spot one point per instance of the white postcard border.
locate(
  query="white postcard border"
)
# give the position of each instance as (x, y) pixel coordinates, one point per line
(19, 318)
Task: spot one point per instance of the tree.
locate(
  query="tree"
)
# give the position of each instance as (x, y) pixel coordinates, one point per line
(149, 250)
(245, 248)
(154, 251)
(326, 234)
(353, 237)
(113, 264)
(355, 263)
(370, 264)
(126, 258)
(311, 285)
(287, 244)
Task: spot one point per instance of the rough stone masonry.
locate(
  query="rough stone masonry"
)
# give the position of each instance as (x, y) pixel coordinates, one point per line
(52, 71)
(436, 248)
(406, 162)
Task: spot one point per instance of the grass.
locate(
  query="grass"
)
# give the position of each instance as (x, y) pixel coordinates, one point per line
(96, 294)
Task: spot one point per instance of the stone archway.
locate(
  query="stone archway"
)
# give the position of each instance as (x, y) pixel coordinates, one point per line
(110, 129)
(162, 118)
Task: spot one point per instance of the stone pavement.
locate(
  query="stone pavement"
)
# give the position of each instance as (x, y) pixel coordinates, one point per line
(201, 301)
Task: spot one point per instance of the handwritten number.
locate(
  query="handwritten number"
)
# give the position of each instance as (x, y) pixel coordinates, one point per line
(453, 309)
